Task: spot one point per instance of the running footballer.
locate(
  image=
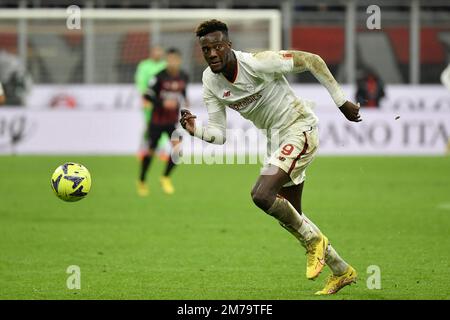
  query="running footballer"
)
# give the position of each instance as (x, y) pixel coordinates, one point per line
(255, 86)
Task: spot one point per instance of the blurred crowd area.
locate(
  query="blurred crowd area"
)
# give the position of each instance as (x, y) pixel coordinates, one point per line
(56, 55)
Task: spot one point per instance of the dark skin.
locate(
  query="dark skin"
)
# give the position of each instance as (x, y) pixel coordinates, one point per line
(217, 52)
(351, 111)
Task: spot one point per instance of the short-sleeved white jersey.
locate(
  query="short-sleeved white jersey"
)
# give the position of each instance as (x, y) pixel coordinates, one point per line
(260, 92)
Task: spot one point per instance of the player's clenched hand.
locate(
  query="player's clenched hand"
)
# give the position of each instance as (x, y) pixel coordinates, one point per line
(187, 121)
(351, 111)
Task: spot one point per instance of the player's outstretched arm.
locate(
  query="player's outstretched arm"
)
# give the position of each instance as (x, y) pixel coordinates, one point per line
(215, 132)
(305, 61)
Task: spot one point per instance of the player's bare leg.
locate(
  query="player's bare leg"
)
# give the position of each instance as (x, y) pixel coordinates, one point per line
(142, 188)
(265, 196)
(166, 183)
(343, 273)
(294, 195)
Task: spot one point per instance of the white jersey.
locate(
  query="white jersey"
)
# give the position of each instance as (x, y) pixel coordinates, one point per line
(259, 92)
(445, 77)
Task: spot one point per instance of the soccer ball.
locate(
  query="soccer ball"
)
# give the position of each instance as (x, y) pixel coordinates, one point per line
(71, 182)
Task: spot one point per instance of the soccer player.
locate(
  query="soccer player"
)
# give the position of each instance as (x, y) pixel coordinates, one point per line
(255, 86)
(167, 93)
(146, 70)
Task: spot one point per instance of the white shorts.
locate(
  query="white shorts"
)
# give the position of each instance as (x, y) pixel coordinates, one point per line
(295, 152)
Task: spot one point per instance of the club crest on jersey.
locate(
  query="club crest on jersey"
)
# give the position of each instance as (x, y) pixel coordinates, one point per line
(226, 94)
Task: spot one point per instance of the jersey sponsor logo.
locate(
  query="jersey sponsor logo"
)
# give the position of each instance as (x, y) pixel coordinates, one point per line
(245, 102)
(226, 94)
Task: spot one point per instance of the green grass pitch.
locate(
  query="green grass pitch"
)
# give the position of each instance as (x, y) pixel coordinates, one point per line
(209, 241)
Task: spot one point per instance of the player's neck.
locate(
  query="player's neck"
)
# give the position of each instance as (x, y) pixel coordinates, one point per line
(231, 69)
(173, 72)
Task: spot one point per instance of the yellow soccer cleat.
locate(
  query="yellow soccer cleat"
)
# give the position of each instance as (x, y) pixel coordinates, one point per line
(166, 185)
(336, 283)
(315, 256)
(142, 189)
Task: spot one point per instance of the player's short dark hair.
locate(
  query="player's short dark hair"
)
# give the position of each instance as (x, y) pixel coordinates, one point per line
(173, 51)
(211, 26)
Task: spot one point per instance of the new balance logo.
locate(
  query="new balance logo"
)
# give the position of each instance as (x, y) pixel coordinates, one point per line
(226, 94)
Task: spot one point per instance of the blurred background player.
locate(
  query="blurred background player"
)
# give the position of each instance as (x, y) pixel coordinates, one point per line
(146, 70)
(167, 93)
(16, 80)
(370, 89)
